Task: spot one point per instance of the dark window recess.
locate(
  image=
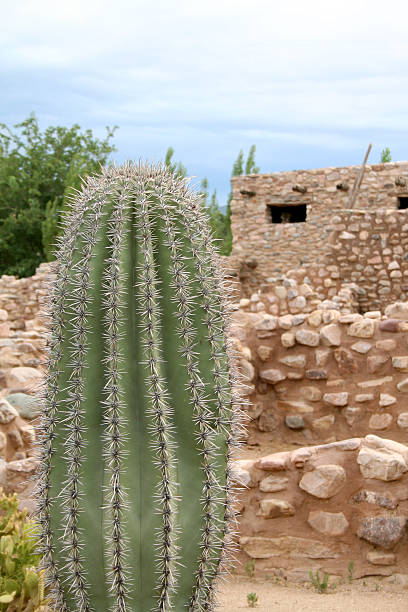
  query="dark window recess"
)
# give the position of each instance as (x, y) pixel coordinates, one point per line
(403, 202)
(288, 214)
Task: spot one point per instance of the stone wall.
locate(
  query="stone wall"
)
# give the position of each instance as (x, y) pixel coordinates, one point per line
(320, 507)
(324, 376)
(262, 249)
(370, 249)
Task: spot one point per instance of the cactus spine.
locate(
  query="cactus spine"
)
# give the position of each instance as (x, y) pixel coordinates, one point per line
(142, 402)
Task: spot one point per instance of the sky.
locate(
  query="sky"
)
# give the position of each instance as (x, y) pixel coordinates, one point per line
(310, 83)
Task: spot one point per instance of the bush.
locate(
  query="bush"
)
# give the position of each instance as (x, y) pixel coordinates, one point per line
(21, 583)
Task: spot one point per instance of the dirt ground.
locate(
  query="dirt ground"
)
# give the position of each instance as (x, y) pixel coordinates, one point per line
(364, 595)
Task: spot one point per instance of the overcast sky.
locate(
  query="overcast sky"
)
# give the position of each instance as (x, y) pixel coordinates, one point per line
(311, 83)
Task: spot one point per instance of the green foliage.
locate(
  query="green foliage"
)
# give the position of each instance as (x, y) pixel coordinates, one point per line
(320, 584)
(21, 584)
(252, 599)
(38, 171)
(250, 568)
(141, 405)
(385, 155)
(350, 570)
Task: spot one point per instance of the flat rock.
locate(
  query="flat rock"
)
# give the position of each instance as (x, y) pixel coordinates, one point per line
(330, 335)
(400, 363)
(23, 377)
(379, 557)
(294, 361)
(373, 497)
(328, 523)
(380, 421)
(272, 375)
(398, 310)
(389, 325)
(274, 462)
(361, 347)
(264, 352)
(376, 382)
(364, 328)
(336, 399)
(311, 393)
(288, 339)
(287, 546)
(403, 385)
(381, 464)
(376, 362)
(275, 508)
(324, 482)
(273, 484)
(388, 344)
(386, 400)
(247, 370)
(294, 421)
(267, 323)
(316, 374)
(307, 337)
(402, 420)
(7, 412)
(384, 531)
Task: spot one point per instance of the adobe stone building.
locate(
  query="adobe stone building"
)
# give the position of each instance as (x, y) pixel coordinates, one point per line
(282, 220)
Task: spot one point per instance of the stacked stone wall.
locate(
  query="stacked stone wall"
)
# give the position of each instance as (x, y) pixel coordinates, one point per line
(322, 507)
(324, 376)
(262, 249)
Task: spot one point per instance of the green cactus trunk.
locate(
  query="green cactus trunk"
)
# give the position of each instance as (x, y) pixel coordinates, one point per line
(141, 406)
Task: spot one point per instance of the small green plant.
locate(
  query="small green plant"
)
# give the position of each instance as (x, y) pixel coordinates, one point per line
(386, 155)
(252, 599)
(319, 584)
(21, 584)
(377, 587)
(350, 570)
(250, 568)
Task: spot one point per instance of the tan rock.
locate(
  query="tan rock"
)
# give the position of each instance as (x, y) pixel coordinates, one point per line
(400, 363)
(287, 546)
(402, 420)
(364, 328)
(4, 330)
(274, 462)
(380, 421)
(336, 399)
(273, 484)
(346, 361)
(364, 397)
(275, 508)
(403, 385)
(294, 361)
(272, 375)
(328, 523)
(398, 310)
(386, 345)
(3, 315)
(386, 400)
(286, 321)
(377, 382)
(324, 423)
(376, 362)
(23, 378)
(311, 393)
(324, 482)
(288, 339)
(322, 356)
(379, 557)
(294, 406)
(307, 337)
(315, 318)
(241, 472)
(361, 347)
(264, 352)
(247, 370)
(7, 412)
(381, 464)
(267, 323)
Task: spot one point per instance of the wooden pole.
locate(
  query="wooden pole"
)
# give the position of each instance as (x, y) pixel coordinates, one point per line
(358, 180)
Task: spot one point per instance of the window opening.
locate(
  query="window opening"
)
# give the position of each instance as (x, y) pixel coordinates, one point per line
(289, 214)
(403, 202)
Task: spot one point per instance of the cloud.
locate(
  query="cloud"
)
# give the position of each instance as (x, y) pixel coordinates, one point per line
(307, 82)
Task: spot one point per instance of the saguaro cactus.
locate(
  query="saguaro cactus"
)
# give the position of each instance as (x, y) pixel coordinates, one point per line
(141, 405)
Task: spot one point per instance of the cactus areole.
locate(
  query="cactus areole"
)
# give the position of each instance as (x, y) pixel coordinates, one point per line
(142, 401)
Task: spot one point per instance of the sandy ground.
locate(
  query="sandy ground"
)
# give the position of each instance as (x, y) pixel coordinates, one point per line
(364, 595)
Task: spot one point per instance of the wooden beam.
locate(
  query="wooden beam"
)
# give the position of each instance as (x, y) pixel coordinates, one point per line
(358, 180)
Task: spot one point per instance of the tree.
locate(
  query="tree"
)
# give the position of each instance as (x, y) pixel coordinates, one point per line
(386, 155)
(238, 170)
(38, 171)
